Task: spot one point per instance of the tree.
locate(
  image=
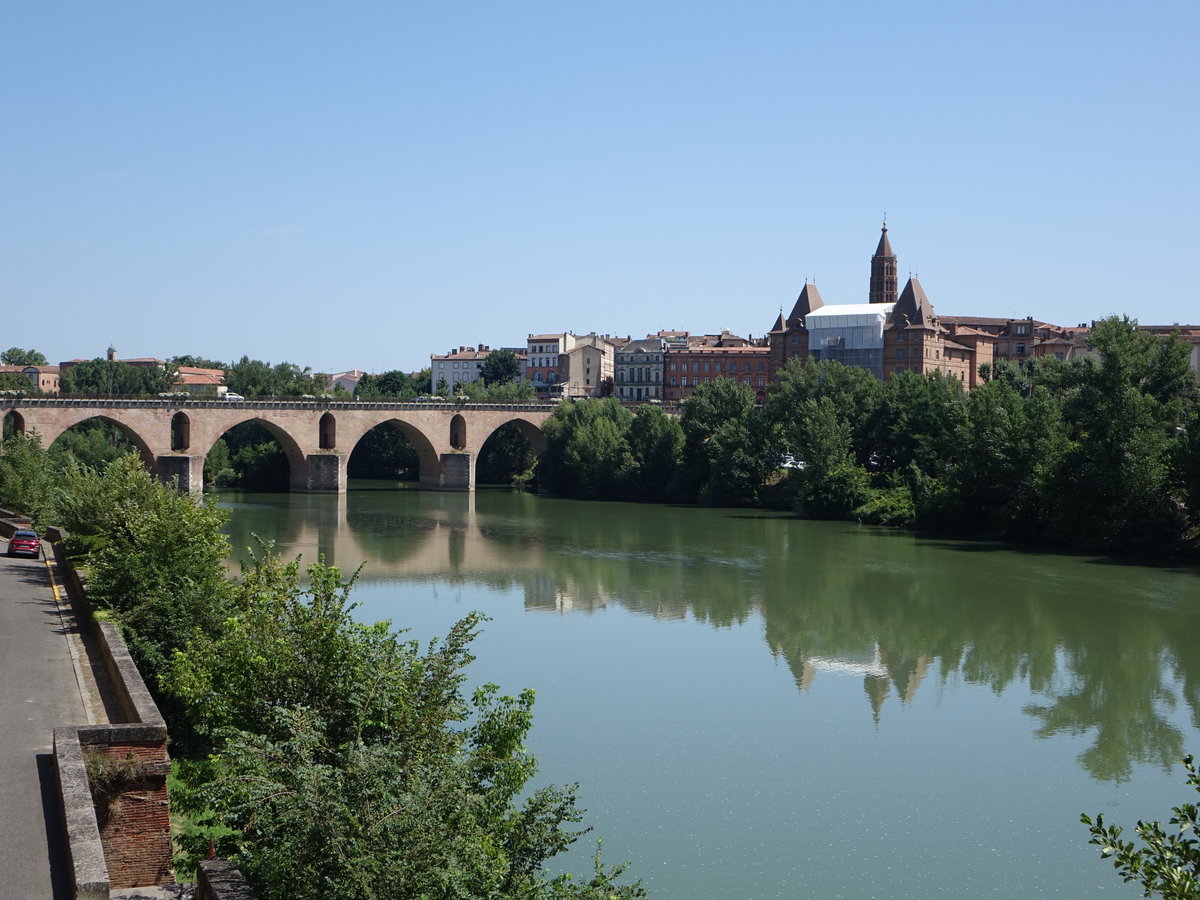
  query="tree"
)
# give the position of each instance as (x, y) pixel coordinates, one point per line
(1113, 483)
(196, 362)
(1168, 862)
(15, 381)
(348, 763)
(728, 450)
(830, 485)
(583, 457)
(500, 367)
(154, 556)
(392, 384)
(106, 377)
(28, 481)
(15, 356)
(656, 442)
(255, 378)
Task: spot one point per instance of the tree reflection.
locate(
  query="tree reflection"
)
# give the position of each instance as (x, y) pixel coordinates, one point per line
(1105, 649)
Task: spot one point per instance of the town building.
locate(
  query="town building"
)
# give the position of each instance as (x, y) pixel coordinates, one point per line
(638, 369)
(41, 378)
(347, 381)
(589, 365)
(544, 368)
(456, 367)
(705, 358)
(201, 382)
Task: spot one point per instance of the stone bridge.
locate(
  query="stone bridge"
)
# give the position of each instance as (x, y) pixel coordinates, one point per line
(174, 435)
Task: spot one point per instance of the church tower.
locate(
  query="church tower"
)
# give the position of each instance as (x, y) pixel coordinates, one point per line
(883, 271)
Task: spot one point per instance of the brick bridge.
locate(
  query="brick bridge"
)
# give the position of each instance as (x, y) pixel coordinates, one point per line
(174, 435)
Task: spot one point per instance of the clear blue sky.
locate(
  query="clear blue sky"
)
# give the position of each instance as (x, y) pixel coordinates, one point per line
(359, 185)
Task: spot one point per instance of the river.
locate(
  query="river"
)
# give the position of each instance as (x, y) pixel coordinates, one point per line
(759, 707)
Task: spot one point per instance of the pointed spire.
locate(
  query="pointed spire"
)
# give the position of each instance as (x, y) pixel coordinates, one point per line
(778, 326)
(913, 305)
(885, 246)
(809, 299)
(883, 271)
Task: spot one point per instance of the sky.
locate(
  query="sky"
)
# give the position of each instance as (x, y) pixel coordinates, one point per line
(360, 185)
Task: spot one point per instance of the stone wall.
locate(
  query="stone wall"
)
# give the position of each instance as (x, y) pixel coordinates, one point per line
(219, 879)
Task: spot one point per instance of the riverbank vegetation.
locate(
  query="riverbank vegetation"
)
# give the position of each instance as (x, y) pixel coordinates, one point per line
(326, 757)
(1098, 454)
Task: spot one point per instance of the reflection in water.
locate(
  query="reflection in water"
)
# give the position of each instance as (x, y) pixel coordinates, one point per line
(1105, 648)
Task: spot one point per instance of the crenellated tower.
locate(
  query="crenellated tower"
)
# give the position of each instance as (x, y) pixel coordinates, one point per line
(883, 271)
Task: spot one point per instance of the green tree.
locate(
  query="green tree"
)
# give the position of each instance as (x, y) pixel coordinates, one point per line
(154, 556)
(355, 767)
(1113, 484)
(830, 485)
(28, 480)
(255, 378)
(729, 449)
(500, 367)
(656, 442)
(106, 377)
(93, 443)
(587, 453)
(15, 356)
(1167, 864)
(15, 381)
(196, 362)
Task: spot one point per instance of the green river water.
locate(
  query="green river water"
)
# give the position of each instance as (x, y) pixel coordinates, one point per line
(758, 707)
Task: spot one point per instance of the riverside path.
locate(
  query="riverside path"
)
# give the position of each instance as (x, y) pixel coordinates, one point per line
(38, 691)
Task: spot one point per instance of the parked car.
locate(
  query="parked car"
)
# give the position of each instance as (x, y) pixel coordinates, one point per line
(237, 398)
(25, 543)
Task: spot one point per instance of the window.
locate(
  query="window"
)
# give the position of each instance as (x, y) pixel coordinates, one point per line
(899, 353)
(1020, 329)
(1020, 349)
(761, 380)
(900, 336)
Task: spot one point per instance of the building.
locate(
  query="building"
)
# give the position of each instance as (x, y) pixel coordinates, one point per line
(347, 381)
(705, 358)
(201, 382)
(544, 367)
(588, 366)
(1018, 339)
(889, 333)
(41, 378)
(638, 369)
(457, 367)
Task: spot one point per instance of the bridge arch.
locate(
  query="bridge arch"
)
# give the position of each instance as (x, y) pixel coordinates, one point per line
(181, 432)
(532, 433)
(327, 432)
(428, 459)
(15, 420)
(144, 451)
(458, 432)
(292, 451)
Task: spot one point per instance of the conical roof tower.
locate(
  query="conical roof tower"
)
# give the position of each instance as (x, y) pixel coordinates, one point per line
(883, 271)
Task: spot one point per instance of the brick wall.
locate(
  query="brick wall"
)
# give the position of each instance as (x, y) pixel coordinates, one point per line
(135, 825)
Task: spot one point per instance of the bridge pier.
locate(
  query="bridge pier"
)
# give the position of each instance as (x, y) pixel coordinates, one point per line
(326, 474)
(188, 469)
(458, 472)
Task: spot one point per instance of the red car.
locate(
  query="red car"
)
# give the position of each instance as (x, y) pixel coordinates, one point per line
(24, 543)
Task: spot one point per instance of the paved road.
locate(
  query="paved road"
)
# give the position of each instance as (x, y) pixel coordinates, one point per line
(38, 691)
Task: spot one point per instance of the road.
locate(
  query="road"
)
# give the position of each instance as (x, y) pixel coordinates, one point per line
(38, 691)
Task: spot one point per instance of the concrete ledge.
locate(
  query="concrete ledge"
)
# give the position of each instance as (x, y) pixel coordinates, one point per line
(135, 697)
(219, 879)
(89, 871)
